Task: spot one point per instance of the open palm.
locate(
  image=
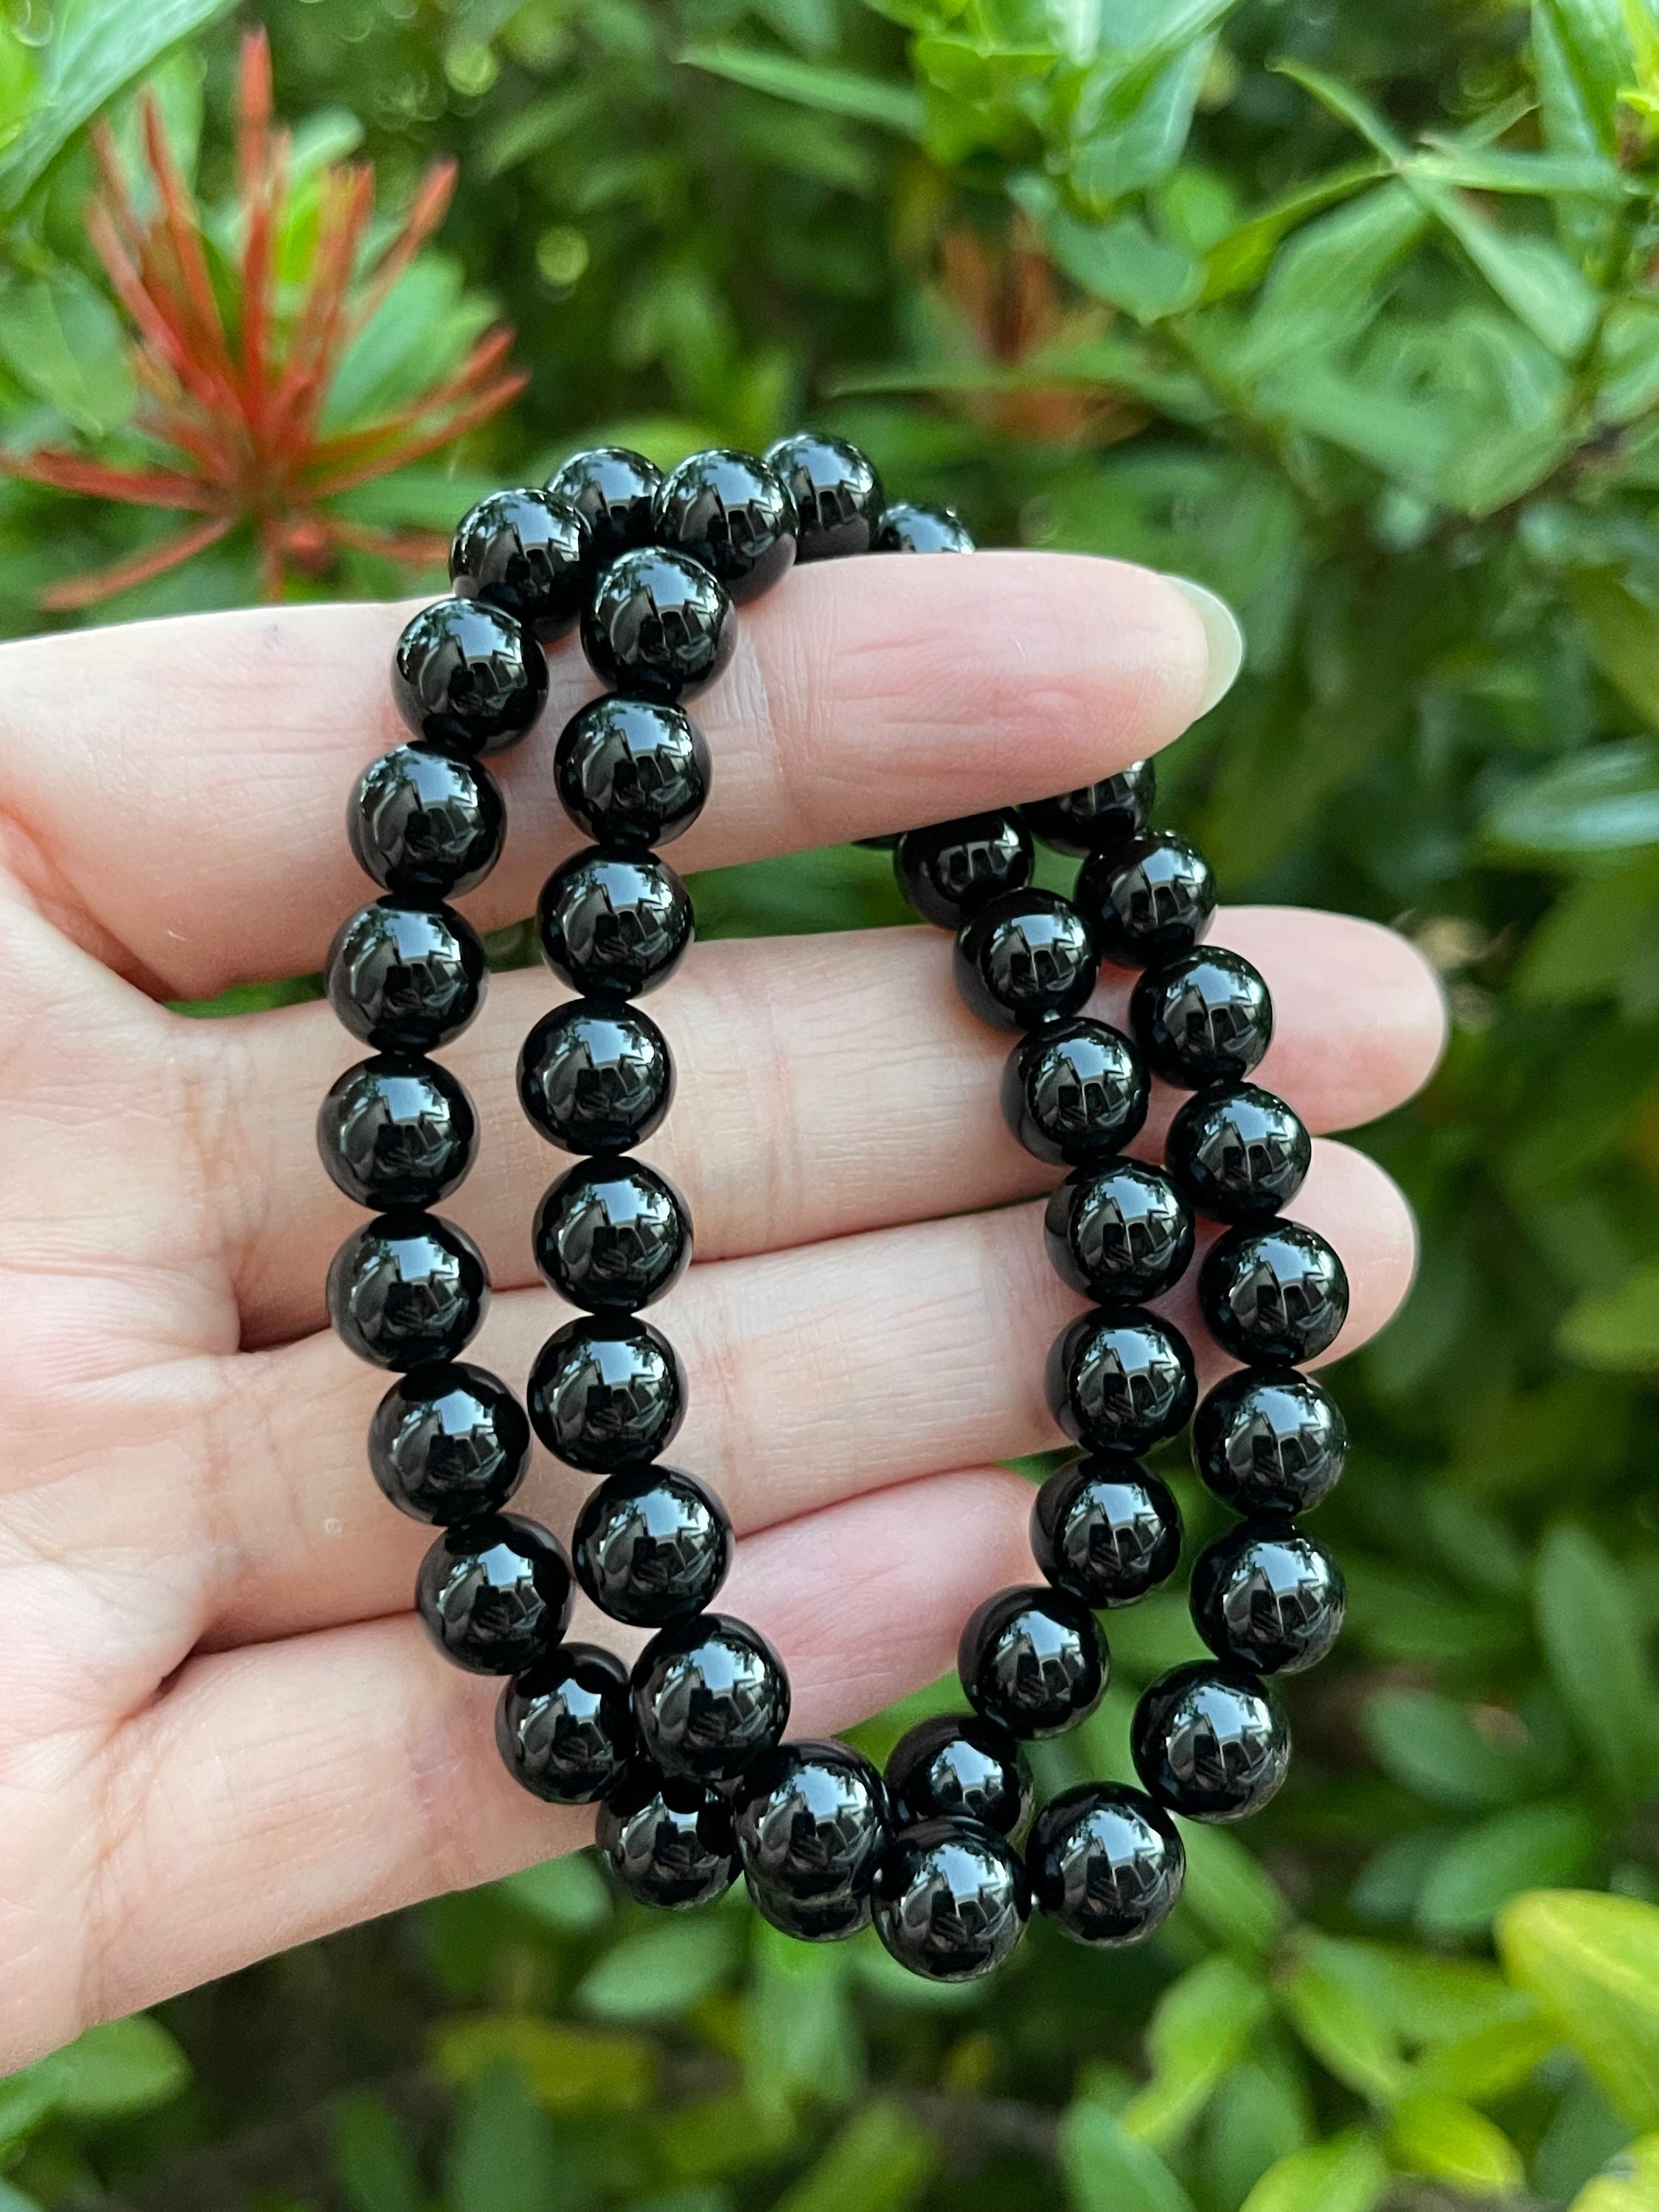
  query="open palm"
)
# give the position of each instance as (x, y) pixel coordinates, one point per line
(221, 1729)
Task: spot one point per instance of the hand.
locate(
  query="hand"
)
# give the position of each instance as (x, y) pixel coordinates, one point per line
(222, 1729)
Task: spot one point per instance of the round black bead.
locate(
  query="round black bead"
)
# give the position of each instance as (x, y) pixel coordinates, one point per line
(467, 677)
(1268, 1598)
(1101, 817)
(1105, 1864)
(632, 773)
(659, 625)
(406, 978)
(406, 1290)
(951, 869)
(612, 1233)
(1118, 1382)
(1106, 1530)
(1210, 1742)
(668, 1841)
(613, 925)
(526, 553)
(1206, 1017)
(812, 1825)
(1237, 1154)
(396, 1131)
(595, 1077)
(1033, 1661)
(614, 489)
(959, 1766)
(494, 1594)
(1149, 900)
(426, 825)
(605, 1391)
(1273, 1294)
(1075, 1093)
(1270, 1443)
(732, 514)
(652, 1545)
(710, 1697)
(449, 1443)
(952, 1900)
(1120, 1234)
(837, 492)
(907, 528)
(1024, 959)
(565, 1728)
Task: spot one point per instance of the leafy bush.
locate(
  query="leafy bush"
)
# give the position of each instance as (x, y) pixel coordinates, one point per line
(1354, 315)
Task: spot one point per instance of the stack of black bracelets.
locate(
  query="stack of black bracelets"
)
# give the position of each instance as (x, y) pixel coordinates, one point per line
(684, 1751)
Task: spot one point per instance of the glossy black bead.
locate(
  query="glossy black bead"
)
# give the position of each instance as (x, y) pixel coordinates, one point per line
(1106, 1530)
(1033, 1661)
(1120, 1234)
(449, 1443)
(426, 825)
(406, 978)
(526, 553)
(407, 1289)
(396, 1131)
(614, 489)
(837, 492)
(952, 1900)
(660, 626)
(710, 1697)
(613, 925)
(1210, 1742)
(468, 676)
(1273, 1294)
(959, 1766)
(951, 869)
(812, 1824)
(1106, 1864)
(1270, 1442)
(632, 773)
(1118, 1382)
(1024, 959)
(1149, 900)
(612, 1234)
(906, 528)
(1267, 1597)
(652, 1545)
(605, 1391)
(566, 1727)
(1203, 1018)
(1101, 817)
(669, 1842)
(494, 1594)
(1237, 1153)
(1075, 1093)
(596, 1078)
(732, 512)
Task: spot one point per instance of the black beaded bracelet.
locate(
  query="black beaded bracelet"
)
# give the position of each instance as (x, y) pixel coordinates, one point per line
(684, 1753)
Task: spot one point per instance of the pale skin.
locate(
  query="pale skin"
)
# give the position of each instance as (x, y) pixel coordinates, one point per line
(222, 1730)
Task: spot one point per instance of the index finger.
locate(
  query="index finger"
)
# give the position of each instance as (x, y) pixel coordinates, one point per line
(175, 791)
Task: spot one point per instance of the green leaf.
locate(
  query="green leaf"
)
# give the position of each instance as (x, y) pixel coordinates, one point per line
(895, 107)
(1450, 2140)
(1241, 257)
(1592, 1964)
(882, 2161)
(127, 2066)
(1258, 2116)
(1482, 169)
(802, 2041)
(1135, 135)
(570, 2069)
(1230, 1891)
(1630, 2183)
(1604, 801)
(662, 1971)
(61, 339)
(502, 2158)
(373, 2163)
(1348, 2174)
(1201, 2026)
(96, 50)
(1594, 1643)
(1619, 1330)
(1623, 633)
(1583, 57)
(1431, 1746)
(1486, 2064)
(1326, 287)
(568, 1893)
(1338, 2010)
(1489, 1864)
(1106, 2169)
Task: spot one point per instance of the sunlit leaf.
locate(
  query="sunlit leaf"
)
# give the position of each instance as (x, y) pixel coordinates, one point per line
(1592, 1964)
(1106, 2169)
(1348, 2174)
(814, 84)
(1450, 2140)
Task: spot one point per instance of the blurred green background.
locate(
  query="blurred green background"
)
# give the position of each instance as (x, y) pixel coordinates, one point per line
(1353, 314)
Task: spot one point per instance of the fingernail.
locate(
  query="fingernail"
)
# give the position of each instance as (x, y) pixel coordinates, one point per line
(1222, 635)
